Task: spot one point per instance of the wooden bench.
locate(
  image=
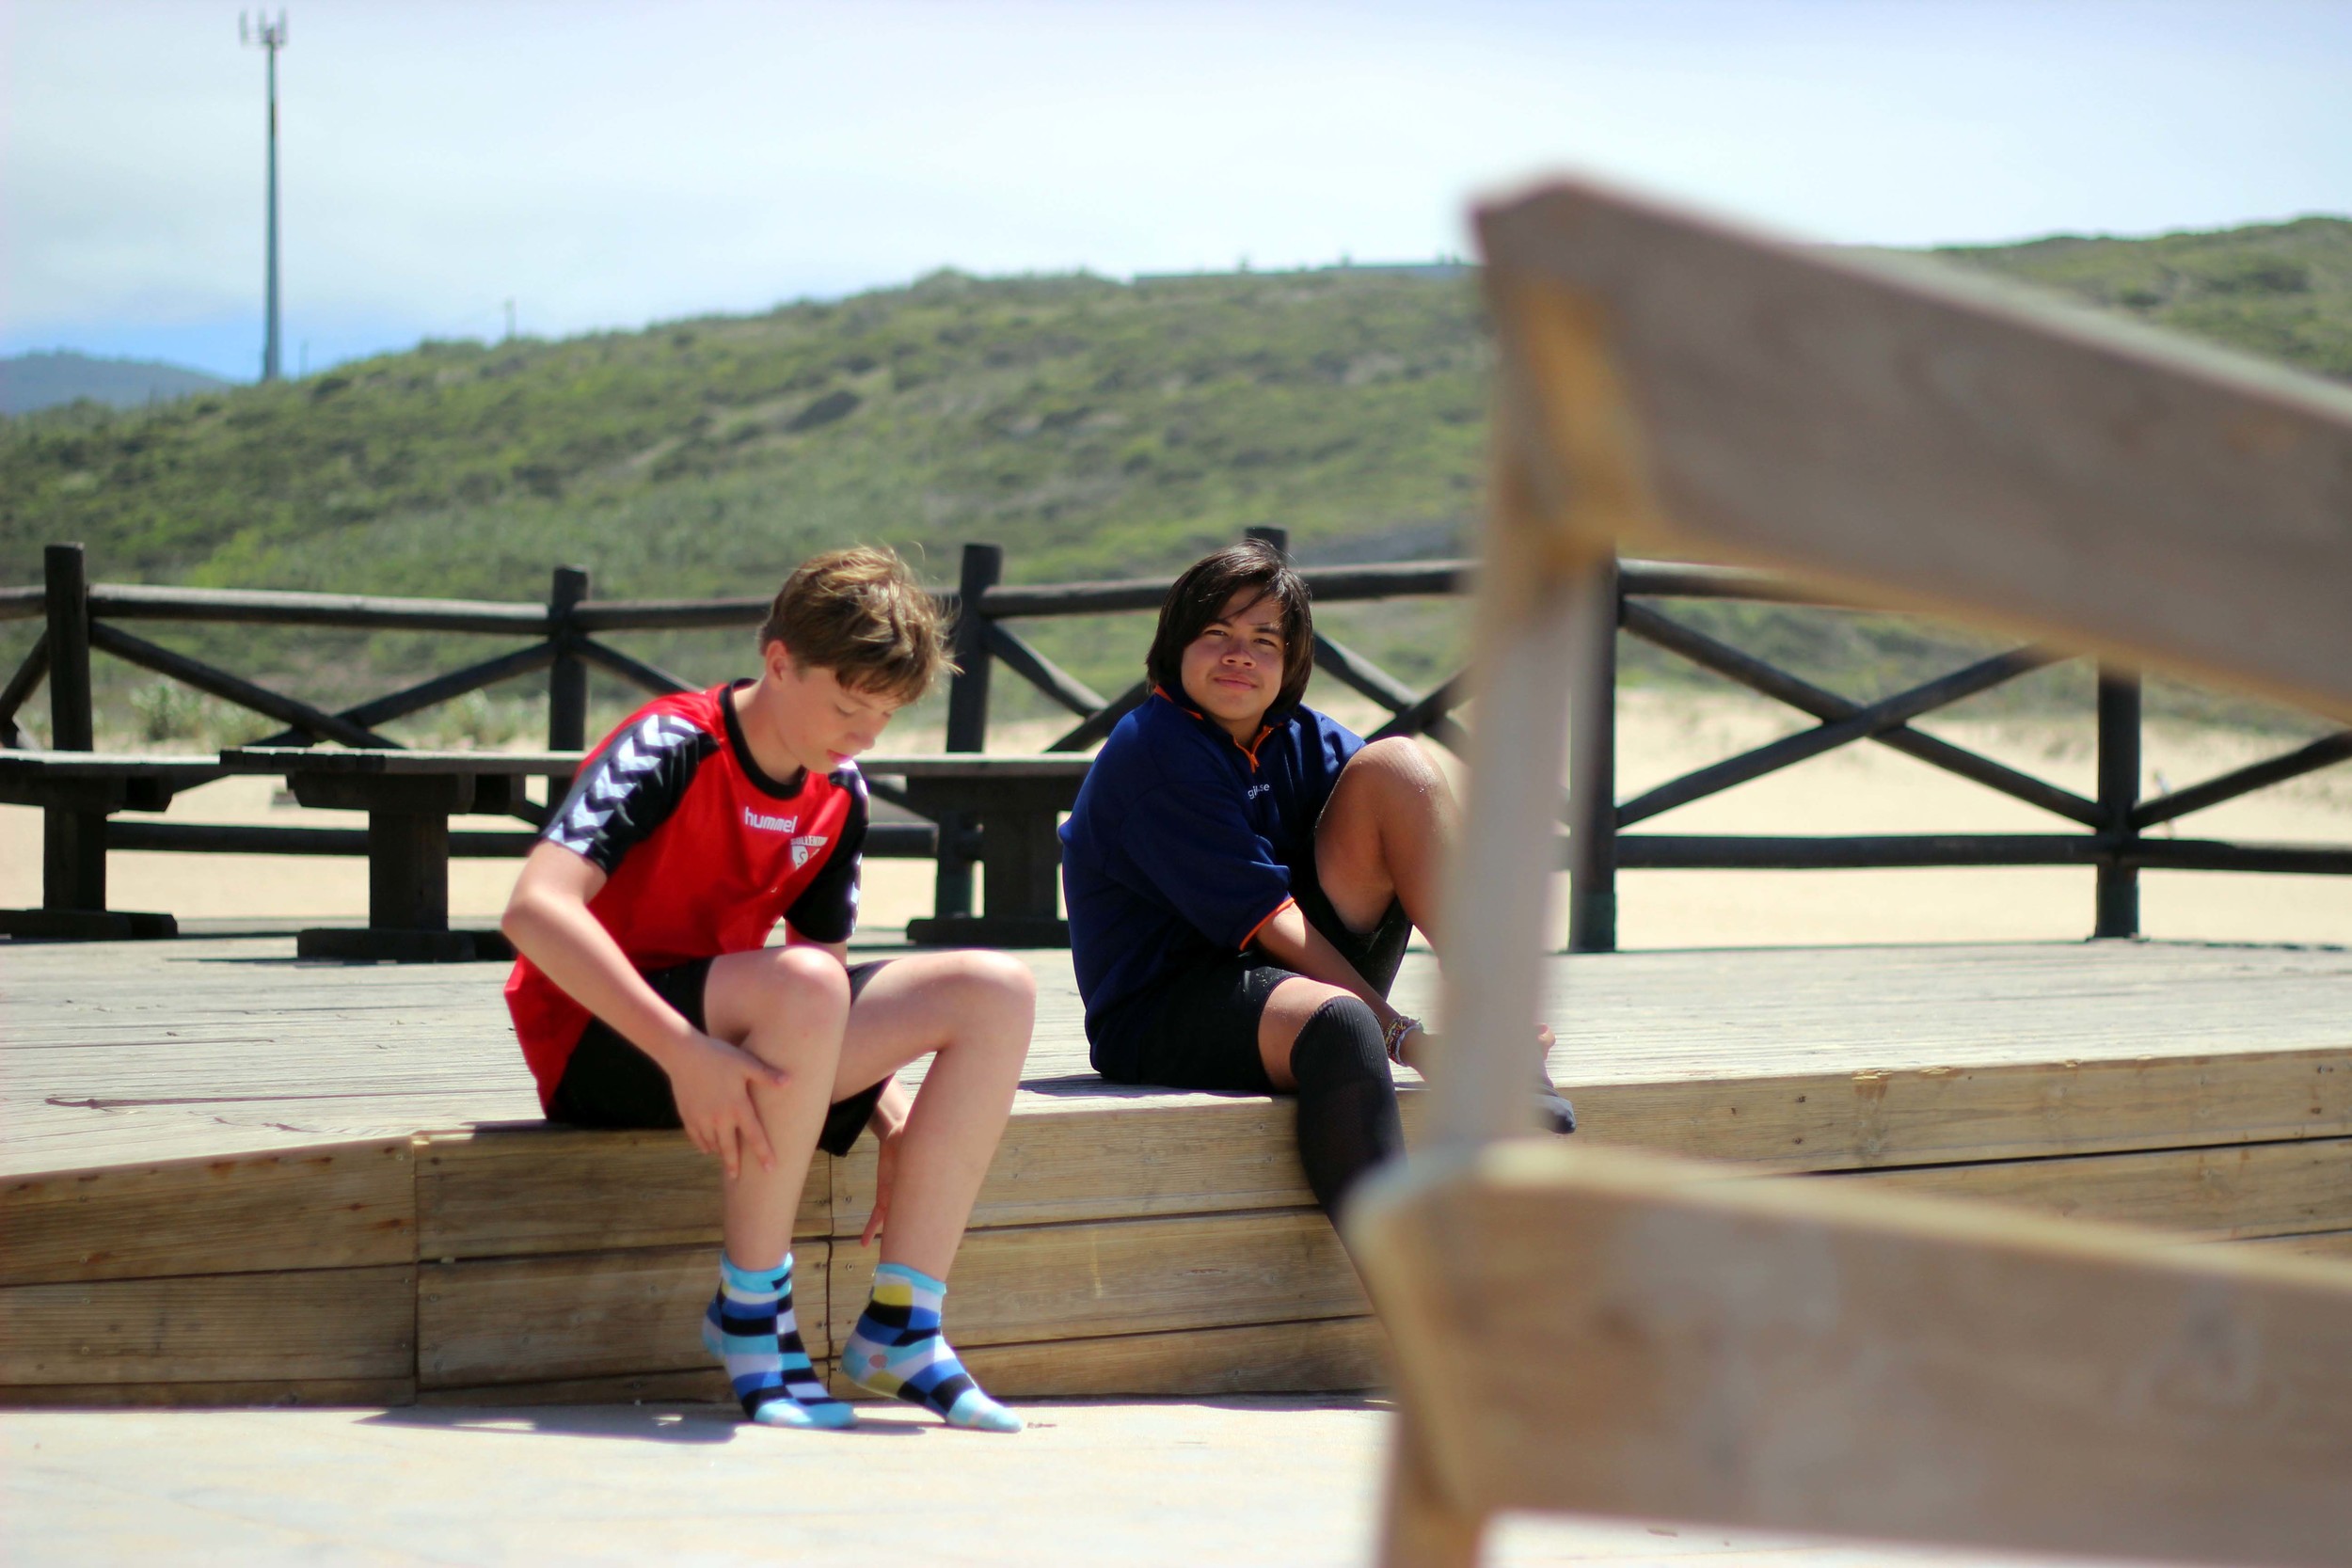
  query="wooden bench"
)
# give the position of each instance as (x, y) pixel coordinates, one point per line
(76, 792)
(1016, 803)
(409, 796)
(1011, 803)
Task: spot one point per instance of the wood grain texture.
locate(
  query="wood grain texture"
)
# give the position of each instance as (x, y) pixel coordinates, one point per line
(132, 1054)
(310, 1325)
(313, 1394)
(334, 1206)
(1135, 1276)
(581, 1315)
(518, 1190)
(1127, 1161)
(1953, 445)
(2215, 1193)
(2331, 1245)
(703, 1386)
(1922, 1116)
(1615, 1334)
(1323, 1356)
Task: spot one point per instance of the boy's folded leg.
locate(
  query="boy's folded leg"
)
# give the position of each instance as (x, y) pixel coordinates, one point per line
(751, 1325)
(898, 1349)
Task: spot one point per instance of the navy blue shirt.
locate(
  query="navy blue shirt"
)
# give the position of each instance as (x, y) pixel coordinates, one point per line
(1182, 846)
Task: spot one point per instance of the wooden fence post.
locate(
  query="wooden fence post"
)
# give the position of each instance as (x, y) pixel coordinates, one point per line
(2117, 911)
(72, 843)
(968, 718)
(1268, 535)
(568, 677)
(1593, 769)
(71, 725)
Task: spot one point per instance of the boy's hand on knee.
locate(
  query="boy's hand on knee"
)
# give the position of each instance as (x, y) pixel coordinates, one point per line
(712, 1085)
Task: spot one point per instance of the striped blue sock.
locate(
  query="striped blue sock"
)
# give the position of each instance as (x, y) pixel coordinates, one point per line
(751, 1327)
(896, 1349)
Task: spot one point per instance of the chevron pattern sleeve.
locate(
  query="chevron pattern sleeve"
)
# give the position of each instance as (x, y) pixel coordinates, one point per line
(826, 910)
(629, 789)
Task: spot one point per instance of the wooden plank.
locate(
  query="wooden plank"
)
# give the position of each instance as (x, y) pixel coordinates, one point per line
(1323, 1356)
(704, 1385)
(1134, 1158)
(278, 1394)
(1606, 1332)
(330, 1206)
(536, 1188)
(581, 1315)
(1931, 1114)
(301, 1326)
(2219, 1194)
(1162, 1156)
(2326, 1244)
(1947, 442)
(1135, 1277)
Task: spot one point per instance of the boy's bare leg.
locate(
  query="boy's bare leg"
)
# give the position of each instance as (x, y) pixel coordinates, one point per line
(1384, 834)
(787, 1006)
(975, 1009)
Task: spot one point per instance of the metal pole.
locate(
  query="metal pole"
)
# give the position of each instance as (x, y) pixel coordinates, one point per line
(2117, 911)
(269, 347)
(271, 37)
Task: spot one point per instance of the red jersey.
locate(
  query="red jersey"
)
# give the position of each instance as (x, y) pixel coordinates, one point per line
(702, 852)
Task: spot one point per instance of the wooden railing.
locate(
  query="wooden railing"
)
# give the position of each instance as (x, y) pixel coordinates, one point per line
(566, 639)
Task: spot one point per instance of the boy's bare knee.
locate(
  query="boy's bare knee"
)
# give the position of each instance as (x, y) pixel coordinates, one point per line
(1400, 759)
(803, 977)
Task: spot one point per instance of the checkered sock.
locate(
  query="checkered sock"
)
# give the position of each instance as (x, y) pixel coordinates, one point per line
(751, 1327)
(896, 1349)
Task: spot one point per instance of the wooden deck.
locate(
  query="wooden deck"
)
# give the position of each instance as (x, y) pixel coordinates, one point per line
(232, 1177)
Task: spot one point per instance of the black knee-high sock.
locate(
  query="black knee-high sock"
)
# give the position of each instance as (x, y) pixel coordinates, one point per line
(1347, 1121)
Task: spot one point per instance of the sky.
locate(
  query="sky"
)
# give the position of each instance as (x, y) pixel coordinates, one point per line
(606, 163)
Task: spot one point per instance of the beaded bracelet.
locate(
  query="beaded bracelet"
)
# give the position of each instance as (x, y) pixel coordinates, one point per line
(1393, 1039)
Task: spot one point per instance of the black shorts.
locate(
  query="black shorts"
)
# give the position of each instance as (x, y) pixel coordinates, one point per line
(1200, 1030)
(610, 1083)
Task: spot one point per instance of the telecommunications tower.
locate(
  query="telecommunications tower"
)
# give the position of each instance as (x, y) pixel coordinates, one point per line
(270, 37)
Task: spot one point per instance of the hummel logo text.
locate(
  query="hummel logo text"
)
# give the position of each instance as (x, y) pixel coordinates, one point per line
(770, 824)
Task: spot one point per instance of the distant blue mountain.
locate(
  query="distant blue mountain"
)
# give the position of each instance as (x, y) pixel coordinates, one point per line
(30, 380)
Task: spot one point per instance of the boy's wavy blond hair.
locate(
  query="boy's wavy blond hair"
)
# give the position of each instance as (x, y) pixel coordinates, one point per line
(860, 613)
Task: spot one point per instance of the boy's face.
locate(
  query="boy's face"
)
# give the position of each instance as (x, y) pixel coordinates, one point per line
(822, 722)
(1232, 670)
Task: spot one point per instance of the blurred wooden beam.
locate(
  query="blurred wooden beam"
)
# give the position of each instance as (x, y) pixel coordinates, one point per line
(1609, 1333)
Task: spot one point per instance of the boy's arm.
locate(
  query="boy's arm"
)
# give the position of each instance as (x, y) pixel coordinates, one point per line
(548, 922)
(1291, 940)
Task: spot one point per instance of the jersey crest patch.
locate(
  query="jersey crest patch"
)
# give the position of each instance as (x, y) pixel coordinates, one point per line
(803, 847)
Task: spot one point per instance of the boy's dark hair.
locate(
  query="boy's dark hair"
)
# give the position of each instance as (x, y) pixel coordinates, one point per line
(1201, 595)
(860, 613)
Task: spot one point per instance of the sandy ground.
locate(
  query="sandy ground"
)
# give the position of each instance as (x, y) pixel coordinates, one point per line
(1857, 789)
(1237, 1481)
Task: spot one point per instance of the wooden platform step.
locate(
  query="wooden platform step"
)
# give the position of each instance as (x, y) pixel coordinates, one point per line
(1140, 1247)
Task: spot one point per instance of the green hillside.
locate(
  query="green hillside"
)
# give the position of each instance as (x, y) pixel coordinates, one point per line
(1092, 428)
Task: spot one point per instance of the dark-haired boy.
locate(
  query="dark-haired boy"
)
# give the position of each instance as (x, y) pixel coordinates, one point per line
(646, 995)
(1242, 874)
